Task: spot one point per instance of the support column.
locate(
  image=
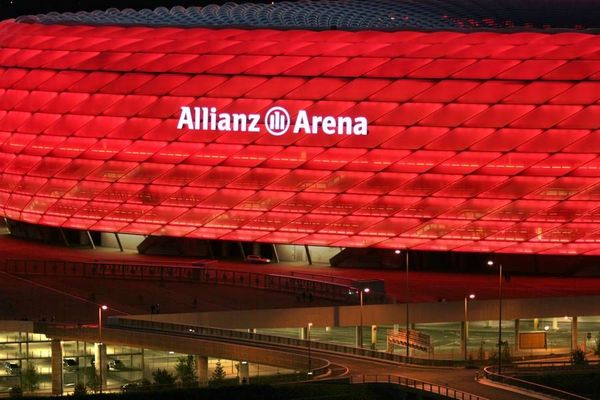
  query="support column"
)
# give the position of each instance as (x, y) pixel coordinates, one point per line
(357, 335)
(244, 372)
(373, 336)
(517, 332)
(119, 242)
(256, 248)
(536, 324)
(202, 370)
(302, 333)
(100, 364)
(57, 364)
(555, 324)
(89, 236)
(463, 339)
(224, 250)
(574, 333)
(396, 328)
(308, 257)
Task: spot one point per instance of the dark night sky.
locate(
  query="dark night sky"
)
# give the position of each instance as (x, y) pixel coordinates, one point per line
(14, 8)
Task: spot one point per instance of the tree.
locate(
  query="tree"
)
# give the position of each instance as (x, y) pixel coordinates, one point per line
(578, 357)
(15, 392)
(30, 378)
(163, 379)
(218, 375)
(79, 390)
(185, 371)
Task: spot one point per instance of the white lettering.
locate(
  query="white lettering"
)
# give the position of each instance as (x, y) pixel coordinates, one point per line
(254, 118)
(329, 125)
(185, 118)
(361, 127)
(302, 122)
(277, 121)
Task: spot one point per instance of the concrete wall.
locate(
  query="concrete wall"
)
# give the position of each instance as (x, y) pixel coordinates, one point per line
(16, 326)
(287, 252)
(387, 314)
(129, 242)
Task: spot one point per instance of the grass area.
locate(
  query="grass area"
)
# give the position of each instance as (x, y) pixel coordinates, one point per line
(585, 384)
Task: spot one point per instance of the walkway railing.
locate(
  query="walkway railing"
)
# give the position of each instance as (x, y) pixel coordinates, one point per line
(417, 385)
(126, 323)
(554, 364)
(300, 286)
(489, 373)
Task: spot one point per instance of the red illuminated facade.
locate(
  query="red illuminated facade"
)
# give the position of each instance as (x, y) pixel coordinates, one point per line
(476, 142)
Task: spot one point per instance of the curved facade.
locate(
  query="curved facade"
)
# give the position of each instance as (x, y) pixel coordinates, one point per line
(481, 141)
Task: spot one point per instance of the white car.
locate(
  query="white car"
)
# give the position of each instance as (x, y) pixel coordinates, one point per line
(255, 259)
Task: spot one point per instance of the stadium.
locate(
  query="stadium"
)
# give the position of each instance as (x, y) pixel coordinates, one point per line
(478, 135)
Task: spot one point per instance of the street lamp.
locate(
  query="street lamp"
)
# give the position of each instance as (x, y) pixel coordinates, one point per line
(491, 264)
(360, 336)
(466, 329)
(100, 309)
(309, 357)
(407, 300)
(100, 360)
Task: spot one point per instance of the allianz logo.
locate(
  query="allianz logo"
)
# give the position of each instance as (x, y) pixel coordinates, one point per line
(276, 121)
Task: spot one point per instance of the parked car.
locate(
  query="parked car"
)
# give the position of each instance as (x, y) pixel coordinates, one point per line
(116, 365)
(70, 364)
(256, 259)
(133, 387)
(12, 368)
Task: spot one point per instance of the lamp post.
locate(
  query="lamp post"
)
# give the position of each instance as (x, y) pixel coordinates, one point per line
(100, 361)
(466, 331)
(407, 299)
(100, 309)
(360, 336)
(491, 264)
(309, 356)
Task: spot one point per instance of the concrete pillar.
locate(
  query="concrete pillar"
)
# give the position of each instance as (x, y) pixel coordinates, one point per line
(303, 333)
(555, 324)
(536, 324)
(463, 337)
(256, 248)
(244, 372)
(224, 249)
(357, 335)
(327, 329)
(101, 363)
(517, 332)
(57, 364)
(396, 328)
(373, 336)
(202, 370)
(574, 333)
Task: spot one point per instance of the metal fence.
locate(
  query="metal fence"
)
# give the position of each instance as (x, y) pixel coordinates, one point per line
(444, 391)
(122, 322)
(489, 373)
(299, 286)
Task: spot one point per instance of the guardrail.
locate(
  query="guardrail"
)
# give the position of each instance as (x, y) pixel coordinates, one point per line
(542, 364)
(306, 288)
(126, 323)
(490, 374)
(417, 385)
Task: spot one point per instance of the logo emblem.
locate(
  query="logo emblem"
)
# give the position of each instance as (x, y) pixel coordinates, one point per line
(277, 121)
